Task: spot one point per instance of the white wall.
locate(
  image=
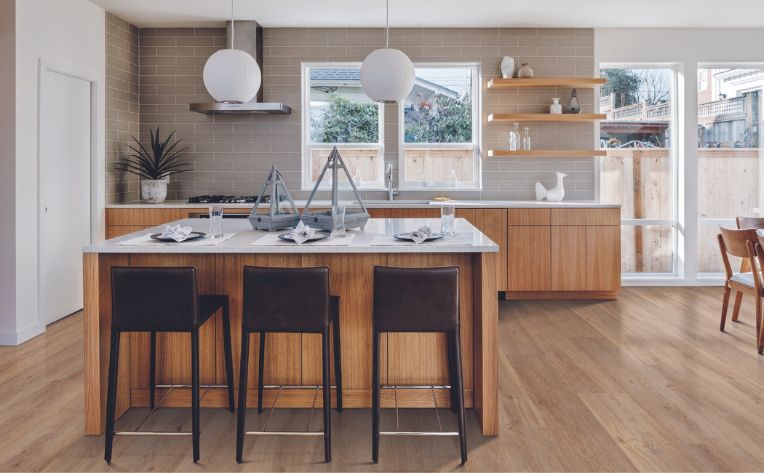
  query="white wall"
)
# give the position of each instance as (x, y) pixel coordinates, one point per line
(684, 48)
(70, 33)
(7, 166)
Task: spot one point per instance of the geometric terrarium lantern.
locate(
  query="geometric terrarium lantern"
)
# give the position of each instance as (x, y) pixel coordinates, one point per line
(275, 218)
(354, 217)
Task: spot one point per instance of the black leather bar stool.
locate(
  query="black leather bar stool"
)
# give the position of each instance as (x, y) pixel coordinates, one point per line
(162, 300)
(288, 300)
(418, 300)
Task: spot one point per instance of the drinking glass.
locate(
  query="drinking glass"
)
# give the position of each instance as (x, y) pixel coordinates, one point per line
(338, 221)
(216, 221)
(447, 213)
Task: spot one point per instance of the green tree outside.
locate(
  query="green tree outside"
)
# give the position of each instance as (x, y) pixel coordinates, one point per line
(346, 121)
(441, 120)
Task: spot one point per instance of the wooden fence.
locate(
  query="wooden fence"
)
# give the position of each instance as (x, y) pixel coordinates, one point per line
(640, 180)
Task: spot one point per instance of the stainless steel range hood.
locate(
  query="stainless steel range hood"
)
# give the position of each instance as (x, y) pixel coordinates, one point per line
(249, 38)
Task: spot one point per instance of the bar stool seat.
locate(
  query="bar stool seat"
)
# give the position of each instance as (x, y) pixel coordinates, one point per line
(288, 300)
(418, 300)
(162, 300)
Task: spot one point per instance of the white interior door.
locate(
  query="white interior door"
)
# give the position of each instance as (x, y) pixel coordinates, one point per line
(64, 191)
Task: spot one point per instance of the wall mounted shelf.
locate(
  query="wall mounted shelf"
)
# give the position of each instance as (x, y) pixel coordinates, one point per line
(546, 153)
(580, 82)
(545, 117)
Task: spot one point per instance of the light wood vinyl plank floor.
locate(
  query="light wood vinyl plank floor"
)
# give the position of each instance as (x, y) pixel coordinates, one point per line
(644, 383)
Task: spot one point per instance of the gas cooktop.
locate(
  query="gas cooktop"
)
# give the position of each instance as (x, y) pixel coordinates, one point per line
(225, 199)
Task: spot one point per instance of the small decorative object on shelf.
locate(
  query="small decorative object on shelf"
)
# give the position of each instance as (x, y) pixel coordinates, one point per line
(507, 67)
(556, 107)
(323, 218)
(573, 105)
(154, 165)
(554, 194)
(275, 218)
(514, 137)
(525, 71)
(526, 138)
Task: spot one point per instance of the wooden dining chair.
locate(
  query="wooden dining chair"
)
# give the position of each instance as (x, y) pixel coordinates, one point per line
(759, 249)
(750, 222)
(742, 244)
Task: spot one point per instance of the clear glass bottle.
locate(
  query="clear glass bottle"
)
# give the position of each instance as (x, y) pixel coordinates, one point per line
(526, 138)
(514, 137)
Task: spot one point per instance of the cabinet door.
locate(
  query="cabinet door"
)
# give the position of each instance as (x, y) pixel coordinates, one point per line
(603, 255)
(569, 259)
(493, 223)
(528, 260)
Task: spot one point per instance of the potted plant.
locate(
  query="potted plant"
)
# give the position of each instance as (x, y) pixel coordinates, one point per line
(154, 165)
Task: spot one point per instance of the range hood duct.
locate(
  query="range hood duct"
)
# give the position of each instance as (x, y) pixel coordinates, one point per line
(249, 38)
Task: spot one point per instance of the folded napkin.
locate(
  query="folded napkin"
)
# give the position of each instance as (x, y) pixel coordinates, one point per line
(176, 232)
(302, 233)
(421, 234)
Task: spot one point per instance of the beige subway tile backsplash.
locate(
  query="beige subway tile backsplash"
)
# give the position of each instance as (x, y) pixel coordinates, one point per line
(154, 73)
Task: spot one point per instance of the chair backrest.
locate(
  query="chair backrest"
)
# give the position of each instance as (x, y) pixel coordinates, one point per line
(735, 240)
(160, 299)
(750, 222)
(416, 299)
(285, 299)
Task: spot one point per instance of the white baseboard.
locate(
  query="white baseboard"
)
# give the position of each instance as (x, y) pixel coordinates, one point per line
(17, 338)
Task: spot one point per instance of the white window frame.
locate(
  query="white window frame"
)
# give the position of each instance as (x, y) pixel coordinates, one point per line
(676, 137)
(307, 146)
(477, 184)
(729, 222)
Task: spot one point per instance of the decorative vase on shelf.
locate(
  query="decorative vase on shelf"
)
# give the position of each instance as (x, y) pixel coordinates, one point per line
(507, 67)
(154, 191)
(554, 194)
(525, 71)
(556, 107)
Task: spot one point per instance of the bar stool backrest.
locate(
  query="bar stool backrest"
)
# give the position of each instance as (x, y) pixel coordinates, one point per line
(286, 299)
(154, 299)
(416, 299)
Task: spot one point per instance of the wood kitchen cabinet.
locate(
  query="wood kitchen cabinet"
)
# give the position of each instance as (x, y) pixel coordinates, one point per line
(546, 253)
(564, 253)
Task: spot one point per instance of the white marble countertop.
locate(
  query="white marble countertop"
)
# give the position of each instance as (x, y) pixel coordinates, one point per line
(382, 204)
(468, 239)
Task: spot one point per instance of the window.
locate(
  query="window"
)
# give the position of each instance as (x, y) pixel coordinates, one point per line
(639, 169)
(337, 112)
(439, 129)
(729, 156)
(702, 79)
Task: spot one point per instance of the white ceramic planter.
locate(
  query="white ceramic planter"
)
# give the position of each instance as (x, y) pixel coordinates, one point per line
(154, 192)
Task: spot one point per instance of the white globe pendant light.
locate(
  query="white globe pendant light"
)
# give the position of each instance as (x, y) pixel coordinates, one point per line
(387, 75)
(232, 75)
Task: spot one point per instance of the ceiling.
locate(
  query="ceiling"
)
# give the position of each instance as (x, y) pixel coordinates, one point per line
(446, 13)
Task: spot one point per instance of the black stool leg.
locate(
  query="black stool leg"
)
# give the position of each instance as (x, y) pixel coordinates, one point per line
(260, 374)
(451, 372)
(337, 360)
(455, 343)
(195, 391)
(111, 399)
(242, 395)
(152, 369)
(228, 354)
(327, 395)
(375, 396)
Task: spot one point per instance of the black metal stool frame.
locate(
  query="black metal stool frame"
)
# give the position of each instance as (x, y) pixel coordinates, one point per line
(333, 303)
(211, 303)
(453, 351)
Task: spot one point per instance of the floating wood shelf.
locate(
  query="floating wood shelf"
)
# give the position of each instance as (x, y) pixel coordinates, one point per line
(545, 117)
(546, 153)
(580, 82)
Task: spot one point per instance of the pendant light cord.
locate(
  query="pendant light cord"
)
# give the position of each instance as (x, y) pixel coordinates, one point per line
(233, 27)
(387, 24)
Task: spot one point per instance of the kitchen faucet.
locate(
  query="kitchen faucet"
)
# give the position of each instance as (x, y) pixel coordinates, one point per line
(391, 191)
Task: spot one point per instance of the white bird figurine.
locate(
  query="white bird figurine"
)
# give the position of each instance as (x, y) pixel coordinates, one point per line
(552, 195)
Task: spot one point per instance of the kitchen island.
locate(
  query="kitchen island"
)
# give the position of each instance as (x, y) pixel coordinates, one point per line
(294, 359)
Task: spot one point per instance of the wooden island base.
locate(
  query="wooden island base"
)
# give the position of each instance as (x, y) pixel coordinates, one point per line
(294, 359)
